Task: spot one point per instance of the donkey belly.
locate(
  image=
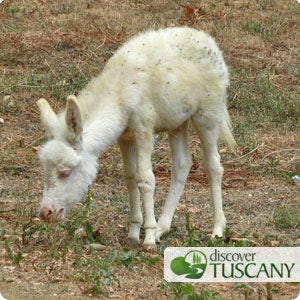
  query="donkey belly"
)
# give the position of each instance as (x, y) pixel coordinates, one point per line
(174, 113)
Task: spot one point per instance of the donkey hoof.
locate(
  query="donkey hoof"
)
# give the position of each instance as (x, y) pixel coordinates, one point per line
(150, 247)
(218, 229)
(132, 243)
(216, 234)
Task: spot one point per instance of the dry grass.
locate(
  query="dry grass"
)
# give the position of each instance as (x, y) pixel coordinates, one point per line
(51, 49)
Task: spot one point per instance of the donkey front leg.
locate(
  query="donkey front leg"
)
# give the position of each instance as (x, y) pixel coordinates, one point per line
(146, 184)
(136, 217)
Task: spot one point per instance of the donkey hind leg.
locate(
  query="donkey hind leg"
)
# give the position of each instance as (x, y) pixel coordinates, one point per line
(208, 133)
(181, 164)
(146, 183)
(129, 165)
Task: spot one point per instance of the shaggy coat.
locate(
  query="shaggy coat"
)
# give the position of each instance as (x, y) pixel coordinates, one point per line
(157, 81)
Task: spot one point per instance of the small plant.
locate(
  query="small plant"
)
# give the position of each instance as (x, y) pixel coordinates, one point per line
(98, 271)
(152, 260)
(127, 257)
(246, 287)
(199, 239)
(249, 289)
(186, 291)
(191, 241)
(253, 27)
(89, 232)
(286, 216)
(14, 257)
(12, 10)
(296, 72)
(97, 275)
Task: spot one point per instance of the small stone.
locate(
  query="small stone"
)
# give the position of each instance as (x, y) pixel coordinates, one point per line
(6, 100)
(95, 246)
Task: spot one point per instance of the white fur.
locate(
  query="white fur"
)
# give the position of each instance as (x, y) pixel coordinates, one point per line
(157, 81)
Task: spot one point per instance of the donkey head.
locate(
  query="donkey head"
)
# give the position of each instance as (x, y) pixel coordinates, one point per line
(68, 169)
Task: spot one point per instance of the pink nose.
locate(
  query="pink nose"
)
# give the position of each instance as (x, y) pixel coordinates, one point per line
(49, 214)
(46, 214)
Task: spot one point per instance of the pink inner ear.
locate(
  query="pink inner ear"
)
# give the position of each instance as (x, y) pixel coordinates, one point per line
(64, 174)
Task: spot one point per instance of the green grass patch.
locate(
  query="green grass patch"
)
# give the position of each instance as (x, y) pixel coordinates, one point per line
(254, 27)
(196, 238)
(186, 291)
(14, 256)
(286, 217)
(262, 104)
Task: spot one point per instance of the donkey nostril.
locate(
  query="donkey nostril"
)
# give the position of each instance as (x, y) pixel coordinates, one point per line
(45, 214)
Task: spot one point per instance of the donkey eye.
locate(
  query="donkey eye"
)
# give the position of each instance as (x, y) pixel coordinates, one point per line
(64, 174)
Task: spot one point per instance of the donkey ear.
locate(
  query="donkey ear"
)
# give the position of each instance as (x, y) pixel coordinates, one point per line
(48, 117)
(73, 120)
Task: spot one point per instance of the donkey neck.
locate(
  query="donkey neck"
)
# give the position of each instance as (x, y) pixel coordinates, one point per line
(105, 122)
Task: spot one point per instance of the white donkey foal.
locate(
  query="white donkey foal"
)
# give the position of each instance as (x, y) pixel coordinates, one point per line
(157, 81)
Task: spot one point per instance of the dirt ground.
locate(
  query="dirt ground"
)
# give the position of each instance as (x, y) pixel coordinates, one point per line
(251, 199)
(51, 49)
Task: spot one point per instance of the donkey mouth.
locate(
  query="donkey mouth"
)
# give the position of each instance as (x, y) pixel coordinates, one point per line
(58, 215)
(52, 215)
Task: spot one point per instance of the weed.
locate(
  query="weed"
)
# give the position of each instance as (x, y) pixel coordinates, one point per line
(12, 10)
(118, 199)
(227, 241)
(186, 291)
(30, 228)
(253, 27)
(14, 257)
(250, 289)
(162, 246)
(98, 273)
(247, 287)
(89, 232)
(264, 106)
(127, 257)
(152, 260)
(5, 104)
(191, 239)
(199, 239)
(275, 106)
(66, 8)
(264, 4)
(285, 216)
(296, 72)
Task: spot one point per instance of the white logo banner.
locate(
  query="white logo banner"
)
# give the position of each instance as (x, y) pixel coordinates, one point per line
(232, 264)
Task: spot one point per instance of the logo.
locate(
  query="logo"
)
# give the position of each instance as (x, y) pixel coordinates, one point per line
(232, 264)
(193, 264)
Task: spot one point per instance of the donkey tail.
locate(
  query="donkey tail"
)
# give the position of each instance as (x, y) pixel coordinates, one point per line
(225, 130)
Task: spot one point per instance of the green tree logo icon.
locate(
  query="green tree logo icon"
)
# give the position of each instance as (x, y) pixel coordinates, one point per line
(193, 264)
